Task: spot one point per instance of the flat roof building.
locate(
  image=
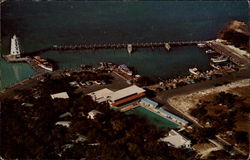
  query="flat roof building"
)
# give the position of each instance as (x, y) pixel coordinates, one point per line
(126, 92)
(176, 140)
(61, 95)
(101, 95)
(119, 97)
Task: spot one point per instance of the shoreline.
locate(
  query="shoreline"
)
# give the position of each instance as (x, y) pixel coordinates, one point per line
(160, 83)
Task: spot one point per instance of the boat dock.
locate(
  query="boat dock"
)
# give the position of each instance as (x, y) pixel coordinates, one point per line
(129, 46)
(225, 51)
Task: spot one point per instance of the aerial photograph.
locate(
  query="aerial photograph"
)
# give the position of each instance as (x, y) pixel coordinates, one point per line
(125, 79)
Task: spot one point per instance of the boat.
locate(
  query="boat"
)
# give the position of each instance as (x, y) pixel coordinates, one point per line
(167, 46)
(125, 69)
(15, 47)
(214, 66)
(43, 63)
(201, 45)
(219, 59)
(194, 71)
(129, 48)
(209, 51)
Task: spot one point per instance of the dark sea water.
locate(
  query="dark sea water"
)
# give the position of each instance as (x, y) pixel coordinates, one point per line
(42, 24)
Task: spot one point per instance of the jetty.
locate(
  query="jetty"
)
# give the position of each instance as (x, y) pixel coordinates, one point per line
(129, 46)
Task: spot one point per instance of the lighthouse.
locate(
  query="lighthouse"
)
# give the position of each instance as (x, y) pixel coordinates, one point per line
(15, 47)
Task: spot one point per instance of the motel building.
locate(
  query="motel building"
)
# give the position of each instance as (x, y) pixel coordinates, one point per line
(130, 98)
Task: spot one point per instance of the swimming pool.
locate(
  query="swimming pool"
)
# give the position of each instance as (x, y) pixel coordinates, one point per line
(153, 118)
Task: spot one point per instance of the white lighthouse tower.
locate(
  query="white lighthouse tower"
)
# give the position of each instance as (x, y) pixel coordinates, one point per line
(15, 47)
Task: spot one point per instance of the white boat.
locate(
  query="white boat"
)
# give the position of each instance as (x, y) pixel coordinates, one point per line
(194, 71)
(167, 46)
(201, 45)
(125, 69)
(129, 48)
(214, 66)
(219, 59)
(209, 51)
(15, 47)
(43, 63)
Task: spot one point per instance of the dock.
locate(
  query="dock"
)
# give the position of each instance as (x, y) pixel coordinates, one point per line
(128, 46)
(225, 51)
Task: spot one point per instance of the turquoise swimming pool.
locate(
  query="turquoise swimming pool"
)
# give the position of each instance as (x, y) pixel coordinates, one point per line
(153, 118)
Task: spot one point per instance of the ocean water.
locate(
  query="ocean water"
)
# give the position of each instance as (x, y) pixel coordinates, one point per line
(42, 24)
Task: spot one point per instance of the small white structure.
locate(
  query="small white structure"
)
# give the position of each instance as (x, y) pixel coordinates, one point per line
(101, 95)
(61, 95)
(92, 114)
(63, 123)
(176, 140)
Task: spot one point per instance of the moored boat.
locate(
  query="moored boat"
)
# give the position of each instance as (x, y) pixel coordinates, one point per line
(209, 51)
(219, 59)
(167, 46)
(214, 66)
(201, 45)
(194, 71)
(43, 63)
(129, 48)
(125, 69)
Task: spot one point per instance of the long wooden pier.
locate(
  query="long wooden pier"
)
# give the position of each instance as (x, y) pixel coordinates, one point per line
(124, 45)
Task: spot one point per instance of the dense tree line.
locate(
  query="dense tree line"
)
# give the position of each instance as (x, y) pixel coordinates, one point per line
(29, 132)
(221, 114)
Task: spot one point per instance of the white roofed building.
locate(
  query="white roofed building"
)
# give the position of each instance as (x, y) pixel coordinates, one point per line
(92, 114)
(119, 97)
(123, 93)
(176, 140)
(61, 95)
(101, 95)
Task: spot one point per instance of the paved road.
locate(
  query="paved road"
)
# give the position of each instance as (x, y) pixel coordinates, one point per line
(162, 96)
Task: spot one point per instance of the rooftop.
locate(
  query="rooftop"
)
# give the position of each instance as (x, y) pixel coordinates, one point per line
(177, 140)
(126, 92)
(101, 95)
(62, 95)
